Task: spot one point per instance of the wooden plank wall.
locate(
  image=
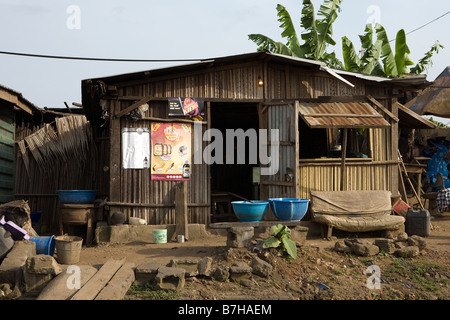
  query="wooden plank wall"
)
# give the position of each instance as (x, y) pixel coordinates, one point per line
(7, 156)
(136, 195)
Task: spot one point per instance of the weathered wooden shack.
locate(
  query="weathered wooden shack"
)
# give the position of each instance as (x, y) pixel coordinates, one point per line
(14, 109)
(318, 112)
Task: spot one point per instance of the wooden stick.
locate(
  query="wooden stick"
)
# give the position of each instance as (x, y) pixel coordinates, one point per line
(407, 177)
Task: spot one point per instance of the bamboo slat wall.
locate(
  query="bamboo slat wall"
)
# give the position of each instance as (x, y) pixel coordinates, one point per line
(38, 184)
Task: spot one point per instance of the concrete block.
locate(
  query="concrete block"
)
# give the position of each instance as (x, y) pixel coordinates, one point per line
(240, 237)
(13, 265)
(170, 278)
(189, 265)
(43, 264)
(146, 272)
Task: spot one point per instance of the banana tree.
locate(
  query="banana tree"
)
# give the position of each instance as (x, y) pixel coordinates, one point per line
(379, 58)
(316, 38)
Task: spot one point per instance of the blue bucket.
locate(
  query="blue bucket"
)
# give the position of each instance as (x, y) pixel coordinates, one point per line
(44, 245)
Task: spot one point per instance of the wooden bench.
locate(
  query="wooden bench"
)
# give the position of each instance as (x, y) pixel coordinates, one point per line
(354, 211)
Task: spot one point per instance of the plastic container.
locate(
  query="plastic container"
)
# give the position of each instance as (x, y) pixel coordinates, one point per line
(77, 196)
(250, 211)
(17, 233)
(44, 245)
(159, 235)
(417, 222)
(68, 249)
(289, 209)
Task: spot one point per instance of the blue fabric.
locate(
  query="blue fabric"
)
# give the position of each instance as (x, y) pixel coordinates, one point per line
(437, 164)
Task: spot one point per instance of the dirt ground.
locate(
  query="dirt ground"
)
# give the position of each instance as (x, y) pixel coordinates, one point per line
(318, 273)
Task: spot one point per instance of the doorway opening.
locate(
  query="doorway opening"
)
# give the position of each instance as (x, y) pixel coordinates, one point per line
(232, 180)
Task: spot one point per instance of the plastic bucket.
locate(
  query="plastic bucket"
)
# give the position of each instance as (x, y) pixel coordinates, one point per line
(68, 249)
(160, 235)
(44, 245)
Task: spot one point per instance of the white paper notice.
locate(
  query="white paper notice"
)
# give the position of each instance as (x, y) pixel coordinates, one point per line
(135, 148)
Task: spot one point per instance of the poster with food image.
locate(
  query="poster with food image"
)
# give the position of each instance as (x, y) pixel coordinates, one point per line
(171, 155)
(186, 107)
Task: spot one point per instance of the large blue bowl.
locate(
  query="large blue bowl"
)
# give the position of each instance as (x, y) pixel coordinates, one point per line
(247, 211)
(289, 209)
(76, 196)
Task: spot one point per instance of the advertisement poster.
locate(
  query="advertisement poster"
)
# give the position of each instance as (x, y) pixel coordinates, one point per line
(186, 107)
(171, 155)
(135, 148)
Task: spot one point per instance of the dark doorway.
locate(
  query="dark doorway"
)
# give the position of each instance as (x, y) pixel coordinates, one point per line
(231, 180)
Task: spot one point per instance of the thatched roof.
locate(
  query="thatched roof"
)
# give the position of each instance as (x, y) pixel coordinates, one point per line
(435, 100)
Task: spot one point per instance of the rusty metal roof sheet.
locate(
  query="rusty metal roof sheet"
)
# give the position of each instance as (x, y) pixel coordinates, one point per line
(341, 115)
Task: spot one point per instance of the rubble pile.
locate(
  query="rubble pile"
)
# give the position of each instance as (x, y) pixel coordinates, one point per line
(403, 246)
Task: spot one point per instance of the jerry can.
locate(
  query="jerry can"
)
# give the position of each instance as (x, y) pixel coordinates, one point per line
(417, 222)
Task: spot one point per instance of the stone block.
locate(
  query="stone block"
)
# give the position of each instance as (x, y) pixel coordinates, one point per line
(386, 245)
(170, 278)
(261, 267)
(407, 252)
(204, 266)
(190, 266)
(240, 271)
(43, 264)
(13, 265)
(221, 273)
(146, 272)
(239, 237)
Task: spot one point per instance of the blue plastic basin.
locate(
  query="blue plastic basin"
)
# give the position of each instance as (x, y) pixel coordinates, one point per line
(289, 209)
(247, 211)
(76, 196)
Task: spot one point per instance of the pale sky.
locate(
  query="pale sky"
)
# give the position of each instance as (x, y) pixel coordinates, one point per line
(176, 29)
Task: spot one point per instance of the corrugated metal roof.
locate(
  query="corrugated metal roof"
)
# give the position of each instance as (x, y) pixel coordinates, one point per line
(341, 115)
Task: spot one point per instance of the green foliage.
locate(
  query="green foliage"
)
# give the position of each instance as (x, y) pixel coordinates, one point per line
(378, 57)
(394, 63)
(317, 35)
(426, 61)
(149, 291)
(281, 239)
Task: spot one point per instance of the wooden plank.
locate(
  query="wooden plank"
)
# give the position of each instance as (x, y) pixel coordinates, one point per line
(58, 288)
(118, 286)
(92, 288)
(133, 106)
(181, 218)
(380, 106)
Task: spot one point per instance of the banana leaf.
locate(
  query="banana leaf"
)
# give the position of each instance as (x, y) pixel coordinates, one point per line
(387, 56)
(310, 36)
(402, 52)
(266, 43)
(329, 13)
(289, 32)
(351, 59)
(426, 61)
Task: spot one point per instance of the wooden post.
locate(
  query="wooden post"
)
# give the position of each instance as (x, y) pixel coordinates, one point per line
(343, 151)
(181, 219)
